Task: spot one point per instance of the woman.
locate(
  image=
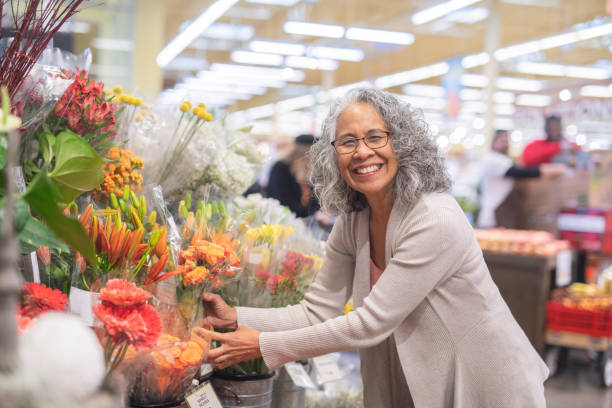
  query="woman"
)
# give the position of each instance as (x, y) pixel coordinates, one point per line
(431, 326)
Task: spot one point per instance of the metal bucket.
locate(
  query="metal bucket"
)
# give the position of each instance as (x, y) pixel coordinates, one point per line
(286, 394)
(244, 392)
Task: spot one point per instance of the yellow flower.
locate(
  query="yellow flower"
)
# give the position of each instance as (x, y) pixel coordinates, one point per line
(196, 111)
(137, 101)
(185, 106)
(349, 307)
(117, 89)
(124, 98)
(208, 117)
(201, 105)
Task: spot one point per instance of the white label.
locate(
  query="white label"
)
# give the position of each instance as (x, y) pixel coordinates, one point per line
(35, 271)
(582, 223)
(203, 397)
(255, 258)
(206, 369)
(564, 267)
(81, 302)
(299, 375)
(327, 368)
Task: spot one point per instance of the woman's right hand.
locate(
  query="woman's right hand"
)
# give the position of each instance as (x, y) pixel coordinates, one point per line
(218, 313)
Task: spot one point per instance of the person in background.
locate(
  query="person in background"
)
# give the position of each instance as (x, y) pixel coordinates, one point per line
(288, 180)
(554, 149)
(498, 175)
(430, 325)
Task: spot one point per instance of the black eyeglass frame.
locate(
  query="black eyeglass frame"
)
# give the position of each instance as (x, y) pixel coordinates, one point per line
(386, 132)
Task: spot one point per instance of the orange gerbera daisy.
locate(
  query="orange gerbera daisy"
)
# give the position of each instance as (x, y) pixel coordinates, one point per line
(38, 298)
(139, 326)
(120, 292)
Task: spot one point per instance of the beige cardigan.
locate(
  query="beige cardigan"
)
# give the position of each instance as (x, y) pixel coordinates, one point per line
(457, 341)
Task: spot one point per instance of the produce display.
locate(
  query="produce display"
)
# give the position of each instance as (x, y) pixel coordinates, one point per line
(519, 242)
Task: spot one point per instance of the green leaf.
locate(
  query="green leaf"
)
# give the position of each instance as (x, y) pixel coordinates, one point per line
(78, 168)
(26, 248)
(22, 214)
(42, 198)
(3, 146)
(37, 234)
(46, 141)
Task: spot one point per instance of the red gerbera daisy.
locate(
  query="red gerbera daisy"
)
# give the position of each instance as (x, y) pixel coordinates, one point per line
(138, 326)
(120, 292)
(39, 298)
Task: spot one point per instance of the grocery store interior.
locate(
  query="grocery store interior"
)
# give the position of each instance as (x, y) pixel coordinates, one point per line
(196, 106)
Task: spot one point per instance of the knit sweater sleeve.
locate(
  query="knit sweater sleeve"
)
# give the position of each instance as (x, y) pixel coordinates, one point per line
(428, 249)
(325, 298)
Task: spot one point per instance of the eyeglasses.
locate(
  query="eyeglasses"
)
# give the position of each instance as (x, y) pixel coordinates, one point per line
(347, 145)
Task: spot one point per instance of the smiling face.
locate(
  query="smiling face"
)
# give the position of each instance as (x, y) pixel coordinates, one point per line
(368, 171)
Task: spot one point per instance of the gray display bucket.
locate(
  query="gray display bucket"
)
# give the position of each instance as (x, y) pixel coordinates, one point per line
(286, 394)
(244, 392)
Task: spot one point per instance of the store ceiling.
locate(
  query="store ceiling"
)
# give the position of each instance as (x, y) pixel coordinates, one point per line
(443, 38)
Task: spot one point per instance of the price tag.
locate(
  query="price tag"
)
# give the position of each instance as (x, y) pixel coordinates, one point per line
(81, 302)
(205, 369)
(203, 397)
(327, 368)
(564, 267)
(299, 375)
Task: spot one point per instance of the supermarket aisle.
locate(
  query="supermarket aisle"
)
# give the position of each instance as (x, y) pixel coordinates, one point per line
(578, 385)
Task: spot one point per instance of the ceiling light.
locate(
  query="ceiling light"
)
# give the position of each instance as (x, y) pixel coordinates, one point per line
(474, 107)
(78, 27)
(286, 3)
(475, 60)
(469, 94)
(597, 91)
(572, 71)
(182, 40)
(475, 80)
(478, 123)
(423, 102)
(380, 36)
(311, 63)
(277, 47)
(504, 109)
(519, 84)
(503, 123)
(343, 54)
(552, 41)
(565, 95)
(439, 10)
(339, 91)
(257, 58)
(503, 97)
(199, 84)
(251, 13)
(113, 44)
(412, 75)
(299, 102)
(468, 15)
(279, 74)
(313, 29)
(433, 91)
(227, 31)
(533, 100)
(214, 78)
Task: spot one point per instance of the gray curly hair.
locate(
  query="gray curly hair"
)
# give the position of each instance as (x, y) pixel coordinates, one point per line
(421, 166)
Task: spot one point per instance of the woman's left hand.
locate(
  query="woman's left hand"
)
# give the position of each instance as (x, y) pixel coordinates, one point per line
(236, 346)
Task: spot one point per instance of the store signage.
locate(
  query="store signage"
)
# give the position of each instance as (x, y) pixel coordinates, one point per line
(203, 397)
(327, 368)
(299, 376)
(564, 268)
(582, 223)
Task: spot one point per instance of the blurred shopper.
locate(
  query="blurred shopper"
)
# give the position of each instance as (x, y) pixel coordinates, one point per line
(498, 175)
(430, 325)
(554, 149)
(288, 181)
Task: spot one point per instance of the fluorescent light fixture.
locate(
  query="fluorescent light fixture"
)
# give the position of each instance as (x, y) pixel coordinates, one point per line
(187, 63)
(519, 84)
(291, 104)
(277, 47)
(337, 53)
(533, 100)
(424, 102)
(474, 106)
(197, 84)
(504, 109)
(596, 91)
(379, 36)
(185, 37)
(552, 41)
(433, 91)
(228, 31)
(412, 75)
(311, 63)
(251, 13)
(78, 27)
(474, 80)
(470, 94)
(440, 10)
(503, 97)
(279, 74)
(503, 123)
(572, 71)
(475, 60)
(468, 15)
(206, 95)
(257, 58)
(313, 29)
(325, 96)
(286, 3)
(214, 78)
(565, 95)
(113, 44)
(262, 111)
